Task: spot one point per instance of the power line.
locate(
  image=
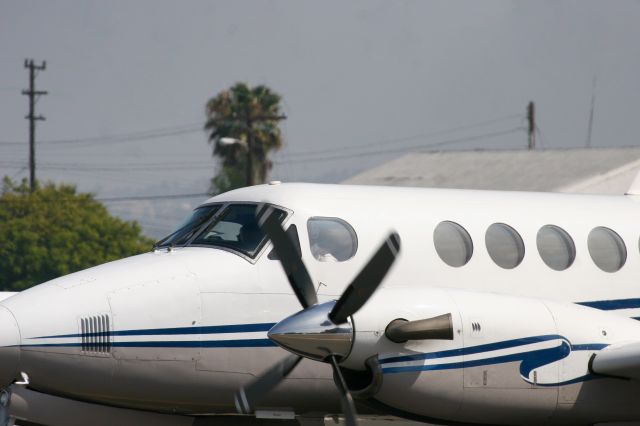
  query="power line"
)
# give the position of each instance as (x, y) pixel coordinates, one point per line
(162, 132)
(113, 199)
(130, 179)
(204, 166)
(410, 138)
(153, 197)
(325, 158)
(130, 137)
(122, 137)
(406, 148)
(19, 171)
(116, 168)
(196, 127)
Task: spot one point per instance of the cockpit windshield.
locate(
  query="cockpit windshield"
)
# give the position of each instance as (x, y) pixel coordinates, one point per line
(235, 227)
(189, 226)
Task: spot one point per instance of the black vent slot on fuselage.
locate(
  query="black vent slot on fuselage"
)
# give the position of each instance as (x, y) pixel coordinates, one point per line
(95, 332)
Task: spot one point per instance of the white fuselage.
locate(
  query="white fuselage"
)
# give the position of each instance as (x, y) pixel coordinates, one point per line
(179, 330)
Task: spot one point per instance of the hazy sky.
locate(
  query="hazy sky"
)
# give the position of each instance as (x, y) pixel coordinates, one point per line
(362, 82)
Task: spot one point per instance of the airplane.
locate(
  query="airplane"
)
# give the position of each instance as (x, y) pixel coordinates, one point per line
(289, 302)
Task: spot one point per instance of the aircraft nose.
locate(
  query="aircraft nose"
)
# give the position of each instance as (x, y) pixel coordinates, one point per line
(9, 347)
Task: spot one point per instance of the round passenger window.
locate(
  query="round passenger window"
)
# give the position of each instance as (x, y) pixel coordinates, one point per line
(453, 244)
(504, 245)
(331, 239)
(556, 247)
(606, 249)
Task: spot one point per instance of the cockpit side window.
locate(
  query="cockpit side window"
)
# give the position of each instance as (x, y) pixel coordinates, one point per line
(236, 228)
(189, 226)
(331, 239)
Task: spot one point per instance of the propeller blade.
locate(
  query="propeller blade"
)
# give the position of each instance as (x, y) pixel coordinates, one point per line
(369, 278)
(247, 397)
(346, 400)
(291, 262)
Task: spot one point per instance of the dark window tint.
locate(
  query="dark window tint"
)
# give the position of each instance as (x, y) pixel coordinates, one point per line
(453, 243)
(606, 249)
(556, 247)
(235, 228)
(331, 239)
(504, 245)
(189, 226)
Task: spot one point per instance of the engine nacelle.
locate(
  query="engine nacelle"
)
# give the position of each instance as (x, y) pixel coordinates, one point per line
(510, 359)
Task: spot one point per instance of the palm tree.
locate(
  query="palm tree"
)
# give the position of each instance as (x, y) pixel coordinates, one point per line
(249, 115)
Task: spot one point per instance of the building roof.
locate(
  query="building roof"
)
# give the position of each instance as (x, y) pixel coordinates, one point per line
(594, 171)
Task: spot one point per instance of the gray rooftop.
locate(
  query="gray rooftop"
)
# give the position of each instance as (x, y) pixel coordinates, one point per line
(593, 170)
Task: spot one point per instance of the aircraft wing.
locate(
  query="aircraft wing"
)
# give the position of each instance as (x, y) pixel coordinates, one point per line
(621, 360)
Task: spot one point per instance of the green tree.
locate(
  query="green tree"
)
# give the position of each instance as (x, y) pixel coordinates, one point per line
(250, 115)
(55, 231)
(228, 178)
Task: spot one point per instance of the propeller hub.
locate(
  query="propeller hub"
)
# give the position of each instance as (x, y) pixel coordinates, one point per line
(311, 334)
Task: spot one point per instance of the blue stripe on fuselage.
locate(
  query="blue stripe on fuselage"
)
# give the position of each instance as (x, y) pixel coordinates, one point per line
(530, 361)
(213, 329)
(237, 343)
(612, 305)
(605, 305)
(489, 347)
(474, 349)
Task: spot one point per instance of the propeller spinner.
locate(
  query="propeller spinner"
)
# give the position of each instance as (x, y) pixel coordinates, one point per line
(322, 332)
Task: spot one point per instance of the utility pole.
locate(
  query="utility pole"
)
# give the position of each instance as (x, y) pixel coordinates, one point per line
(249, 122)
(32, 117)
(531, 117)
